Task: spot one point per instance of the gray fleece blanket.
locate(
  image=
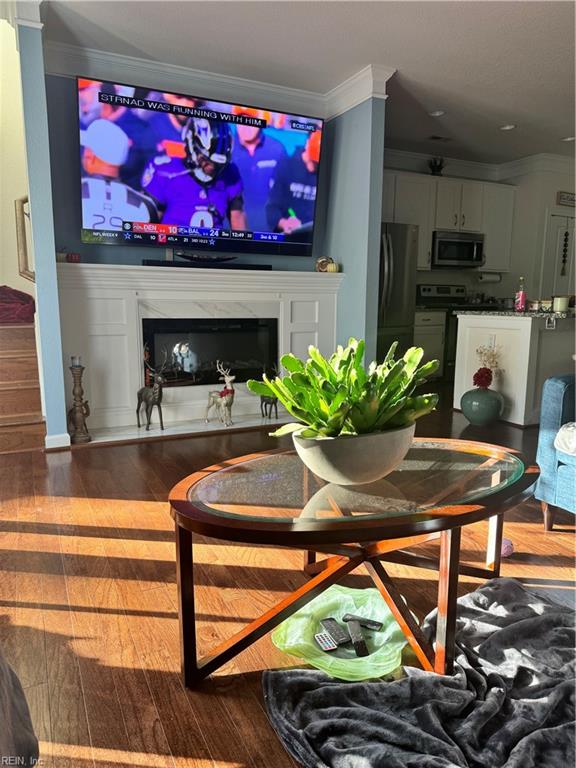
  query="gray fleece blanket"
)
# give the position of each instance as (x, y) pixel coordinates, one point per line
(510, 702)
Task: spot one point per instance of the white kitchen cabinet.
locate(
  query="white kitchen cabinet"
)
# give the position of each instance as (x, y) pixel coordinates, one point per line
(429, 334)
(471, 207)
(452, 205)
(431, 339)
(388, 196)
(414, 202)
(448, 197)
(497, 218)
(459, 205)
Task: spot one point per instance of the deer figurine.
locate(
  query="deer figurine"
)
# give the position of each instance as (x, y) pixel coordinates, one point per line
(223, 398)
(152, 396)
(269, 402)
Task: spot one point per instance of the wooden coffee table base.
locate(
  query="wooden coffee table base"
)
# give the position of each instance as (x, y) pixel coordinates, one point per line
(343, 559)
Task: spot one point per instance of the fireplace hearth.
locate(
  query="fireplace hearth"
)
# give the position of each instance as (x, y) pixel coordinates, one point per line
(190, 348)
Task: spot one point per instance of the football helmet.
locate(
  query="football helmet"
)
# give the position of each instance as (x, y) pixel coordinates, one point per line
(208, 145)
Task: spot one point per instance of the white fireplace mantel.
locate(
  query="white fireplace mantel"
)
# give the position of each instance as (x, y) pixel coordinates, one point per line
(102, 307)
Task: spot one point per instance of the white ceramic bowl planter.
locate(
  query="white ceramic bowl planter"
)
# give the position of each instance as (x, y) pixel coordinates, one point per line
(354, 424)
(355, 459)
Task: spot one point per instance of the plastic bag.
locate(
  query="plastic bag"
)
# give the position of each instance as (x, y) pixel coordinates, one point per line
(296, 634)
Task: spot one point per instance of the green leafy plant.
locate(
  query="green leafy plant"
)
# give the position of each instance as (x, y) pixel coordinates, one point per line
(337, 396)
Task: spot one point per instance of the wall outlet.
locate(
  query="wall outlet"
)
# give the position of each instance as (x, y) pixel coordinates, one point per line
(550, 323)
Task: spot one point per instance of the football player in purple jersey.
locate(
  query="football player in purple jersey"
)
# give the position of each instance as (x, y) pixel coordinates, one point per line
(204, 189)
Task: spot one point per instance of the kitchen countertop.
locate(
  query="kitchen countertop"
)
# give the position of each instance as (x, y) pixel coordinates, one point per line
(484, 306)
(512, 313)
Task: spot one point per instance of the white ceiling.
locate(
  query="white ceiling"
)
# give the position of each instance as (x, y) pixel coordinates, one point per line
(485, 63)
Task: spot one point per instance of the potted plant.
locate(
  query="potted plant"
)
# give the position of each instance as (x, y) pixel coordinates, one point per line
(483, 405)
(354, 425)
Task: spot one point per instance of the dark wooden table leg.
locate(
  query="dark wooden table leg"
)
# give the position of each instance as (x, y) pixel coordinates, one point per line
(309, 561)
(185, 577)
(447, 594)
(401, 613)
(494, 547)
(336, 567)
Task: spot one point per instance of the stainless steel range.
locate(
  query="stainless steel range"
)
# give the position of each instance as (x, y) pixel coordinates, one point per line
(450, 297)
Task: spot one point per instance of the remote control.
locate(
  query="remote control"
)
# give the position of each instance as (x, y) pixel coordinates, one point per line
(357, 638)
(325, 641)
(338, 633)
(368, 623)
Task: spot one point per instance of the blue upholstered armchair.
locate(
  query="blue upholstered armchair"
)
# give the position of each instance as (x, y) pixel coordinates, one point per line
(556, 486)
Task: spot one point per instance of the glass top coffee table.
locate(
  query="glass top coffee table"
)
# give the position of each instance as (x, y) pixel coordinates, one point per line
(272, 499)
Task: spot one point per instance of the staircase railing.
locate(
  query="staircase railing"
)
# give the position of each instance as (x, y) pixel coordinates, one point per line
(22, 215)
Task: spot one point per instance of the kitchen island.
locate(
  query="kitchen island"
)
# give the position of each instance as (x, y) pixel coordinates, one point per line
(532, 346)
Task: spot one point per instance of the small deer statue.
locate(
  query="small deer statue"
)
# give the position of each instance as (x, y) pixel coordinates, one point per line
(152, 396)
(223, 398)
(269, 402)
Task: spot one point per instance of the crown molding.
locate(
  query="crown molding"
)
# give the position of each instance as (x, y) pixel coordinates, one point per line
(369, 82)
(21, 14)
(8, 11)
(401, 160)
(542, 163)
(20, 22)
(417, 162)
(70, 60)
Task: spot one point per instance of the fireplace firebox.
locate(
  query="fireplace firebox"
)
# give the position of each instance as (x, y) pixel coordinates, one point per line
(191, 347)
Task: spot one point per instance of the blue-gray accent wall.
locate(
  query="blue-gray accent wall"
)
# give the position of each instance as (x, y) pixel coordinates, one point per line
(355, 144)
(47, 306)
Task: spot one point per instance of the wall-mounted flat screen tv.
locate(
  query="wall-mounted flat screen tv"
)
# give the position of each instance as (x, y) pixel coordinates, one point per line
(164, 169)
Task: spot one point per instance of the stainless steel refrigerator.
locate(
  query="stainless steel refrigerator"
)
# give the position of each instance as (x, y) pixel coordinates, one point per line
(397, 294)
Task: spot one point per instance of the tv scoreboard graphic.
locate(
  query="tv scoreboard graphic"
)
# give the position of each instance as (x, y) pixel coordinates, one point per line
(146, 232)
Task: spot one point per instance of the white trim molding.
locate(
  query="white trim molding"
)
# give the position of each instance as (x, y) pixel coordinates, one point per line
(54, 442)
(21, 14)
(401, 160)
(70, 60)
(417, 162)
(542, 163)
(368, 83)
(124, 276)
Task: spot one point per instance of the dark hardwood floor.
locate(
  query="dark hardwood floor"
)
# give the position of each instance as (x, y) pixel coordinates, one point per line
(88, 600)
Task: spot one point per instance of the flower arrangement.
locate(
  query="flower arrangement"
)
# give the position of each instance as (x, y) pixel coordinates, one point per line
(489, 358)
(338, 396)
(482, 378)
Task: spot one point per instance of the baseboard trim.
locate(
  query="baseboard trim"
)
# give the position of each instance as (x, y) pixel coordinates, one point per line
(57, 442)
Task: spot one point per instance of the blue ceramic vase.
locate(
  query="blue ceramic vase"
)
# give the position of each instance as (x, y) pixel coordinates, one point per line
(482, 406)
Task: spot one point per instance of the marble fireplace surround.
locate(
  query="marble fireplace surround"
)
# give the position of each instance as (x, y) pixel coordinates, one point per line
(101, 312)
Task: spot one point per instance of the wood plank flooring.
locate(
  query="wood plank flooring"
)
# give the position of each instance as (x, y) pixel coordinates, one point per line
(88, 615)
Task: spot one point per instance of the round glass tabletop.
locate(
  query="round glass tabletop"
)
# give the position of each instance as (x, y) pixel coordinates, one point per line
(279, 488)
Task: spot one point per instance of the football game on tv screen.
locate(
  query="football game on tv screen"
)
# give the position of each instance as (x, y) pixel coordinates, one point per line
(177, 171)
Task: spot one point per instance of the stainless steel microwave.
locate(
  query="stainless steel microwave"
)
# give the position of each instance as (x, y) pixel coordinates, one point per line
(454, 250)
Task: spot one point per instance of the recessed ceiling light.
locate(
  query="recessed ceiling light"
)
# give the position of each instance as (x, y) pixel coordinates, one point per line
(508, 127)
(437, 113)
(569, 138)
